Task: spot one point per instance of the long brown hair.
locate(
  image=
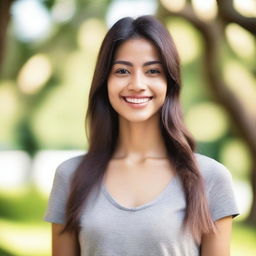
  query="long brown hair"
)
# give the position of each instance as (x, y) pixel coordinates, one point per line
(102, 127)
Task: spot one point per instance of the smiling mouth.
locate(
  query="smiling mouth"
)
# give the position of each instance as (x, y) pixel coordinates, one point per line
(137, 100)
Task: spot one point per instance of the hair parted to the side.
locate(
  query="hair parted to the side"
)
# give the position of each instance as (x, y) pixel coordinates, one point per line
(102, 127)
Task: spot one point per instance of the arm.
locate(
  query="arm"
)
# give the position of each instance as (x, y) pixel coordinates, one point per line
(218, 244)
(66, 244)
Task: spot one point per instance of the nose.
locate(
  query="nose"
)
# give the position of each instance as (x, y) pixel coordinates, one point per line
(137, 82)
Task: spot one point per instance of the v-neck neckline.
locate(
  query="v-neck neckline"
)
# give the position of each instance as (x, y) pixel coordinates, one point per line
(140, 207)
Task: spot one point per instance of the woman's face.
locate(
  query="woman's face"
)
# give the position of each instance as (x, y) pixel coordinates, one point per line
(137, 84)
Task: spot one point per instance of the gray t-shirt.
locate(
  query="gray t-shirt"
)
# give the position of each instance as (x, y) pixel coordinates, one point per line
(110, 229)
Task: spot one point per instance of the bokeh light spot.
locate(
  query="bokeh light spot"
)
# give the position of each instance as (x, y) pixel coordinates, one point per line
(235, 155)
(174, 5)
(205, 9)
(90, 34)
(185, 38)
(31, 20)
(207, 122)
(34, 74)
(241, 41)
(63, 10)
(246, 7)
(241, 82)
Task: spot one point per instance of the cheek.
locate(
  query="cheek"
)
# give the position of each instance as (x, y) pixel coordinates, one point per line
(115, 86)
(160, 89)
(113, 92)
(110, 86)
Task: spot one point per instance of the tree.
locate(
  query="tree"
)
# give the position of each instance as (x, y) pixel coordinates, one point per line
(64, 32)
(5, 6)
(212, 34)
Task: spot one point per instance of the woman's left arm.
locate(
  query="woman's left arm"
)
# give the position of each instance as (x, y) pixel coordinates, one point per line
(218, 244)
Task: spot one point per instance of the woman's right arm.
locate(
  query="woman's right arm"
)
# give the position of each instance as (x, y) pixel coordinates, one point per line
(66, 244)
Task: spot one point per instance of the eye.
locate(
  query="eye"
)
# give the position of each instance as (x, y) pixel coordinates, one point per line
(153, 71)
(122, 71)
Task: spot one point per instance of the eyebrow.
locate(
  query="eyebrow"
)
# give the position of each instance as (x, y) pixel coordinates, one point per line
(127, 63)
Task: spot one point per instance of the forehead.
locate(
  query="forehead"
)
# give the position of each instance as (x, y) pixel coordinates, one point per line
(137, 49)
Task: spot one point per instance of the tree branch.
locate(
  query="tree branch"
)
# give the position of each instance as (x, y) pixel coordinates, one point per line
(228, 14)
(212, 34)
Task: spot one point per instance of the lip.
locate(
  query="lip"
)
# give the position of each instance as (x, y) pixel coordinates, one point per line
(137, 97)
(136, 105)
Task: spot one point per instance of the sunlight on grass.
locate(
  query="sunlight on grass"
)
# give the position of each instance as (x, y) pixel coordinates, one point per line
(32, 239)
(19, 191)
(243, 241)
(25, 239)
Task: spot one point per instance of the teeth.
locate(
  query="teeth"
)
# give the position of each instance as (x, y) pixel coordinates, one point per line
(136, 100)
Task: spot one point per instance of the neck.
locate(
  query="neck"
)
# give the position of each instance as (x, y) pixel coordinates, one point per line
(140, 140)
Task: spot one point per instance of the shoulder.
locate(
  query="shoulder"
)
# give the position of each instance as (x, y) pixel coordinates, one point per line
(212, 170)
(219, 187)
(66, 168)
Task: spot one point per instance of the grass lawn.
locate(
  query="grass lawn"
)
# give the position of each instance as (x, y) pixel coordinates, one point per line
(24, 233)
(33, 239)
(243, 241)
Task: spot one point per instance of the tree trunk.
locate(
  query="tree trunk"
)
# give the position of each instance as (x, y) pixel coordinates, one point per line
(212, 34)
(5, 6)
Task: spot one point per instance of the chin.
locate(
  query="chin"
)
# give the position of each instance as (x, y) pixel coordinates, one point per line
(137, 118)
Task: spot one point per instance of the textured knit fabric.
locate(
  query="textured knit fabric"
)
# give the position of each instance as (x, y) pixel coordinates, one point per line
(110, 229)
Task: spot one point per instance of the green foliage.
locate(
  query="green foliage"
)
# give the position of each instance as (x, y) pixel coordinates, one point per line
(25, 137)
(3, 252)
(29, 206)
(48, 3)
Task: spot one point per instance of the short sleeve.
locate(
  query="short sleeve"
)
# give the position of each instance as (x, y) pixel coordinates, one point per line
(58, 197)
(220, 191)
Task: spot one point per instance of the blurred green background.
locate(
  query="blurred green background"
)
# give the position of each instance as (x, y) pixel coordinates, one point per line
(48, 50)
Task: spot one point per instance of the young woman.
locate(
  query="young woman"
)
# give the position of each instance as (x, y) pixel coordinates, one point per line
(141, 189)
